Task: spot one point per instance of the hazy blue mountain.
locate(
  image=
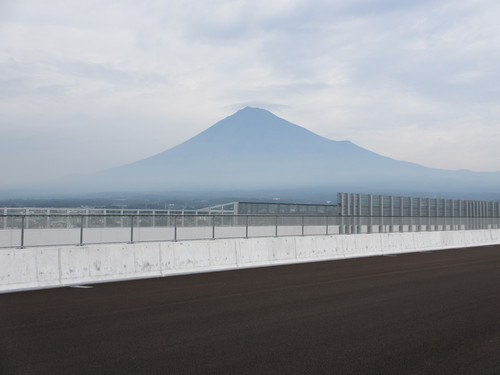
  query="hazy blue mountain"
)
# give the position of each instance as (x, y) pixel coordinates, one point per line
(254, 150)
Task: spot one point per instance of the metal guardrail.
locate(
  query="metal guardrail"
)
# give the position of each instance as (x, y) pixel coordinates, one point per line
(57, 230)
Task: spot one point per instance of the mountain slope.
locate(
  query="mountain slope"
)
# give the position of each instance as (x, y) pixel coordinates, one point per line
(254, 149)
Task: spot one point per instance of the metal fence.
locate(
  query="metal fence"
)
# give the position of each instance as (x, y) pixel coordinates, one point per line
(57, 230)
(294, 209)
(225, 209)
(352, 204)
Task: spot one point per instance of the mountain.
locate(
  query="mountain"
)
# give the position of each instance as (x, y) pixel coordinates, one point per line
(254, 149)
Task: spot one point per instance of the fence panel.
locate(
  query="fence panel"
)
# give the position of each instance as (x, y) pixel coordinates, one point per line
(47, 230)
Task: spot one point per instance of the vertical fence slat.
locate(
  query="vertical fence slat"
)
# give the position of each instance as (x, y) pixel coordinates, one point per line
(22, 231)
(175, 228)
(131, 229)
(81, 230)
(213, 227)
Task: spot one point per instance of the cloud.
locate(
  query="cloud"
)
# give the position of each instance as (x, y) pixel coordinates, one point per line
(87, 85)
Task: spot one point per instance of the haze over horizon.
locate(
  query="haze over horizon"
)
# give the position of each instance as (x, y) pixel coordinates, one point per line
(87, 86)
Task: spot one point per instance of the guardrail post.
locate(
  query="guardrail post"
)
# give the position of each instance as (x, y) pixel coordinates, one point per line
(81, 230)
(326, 231)
(276, 227)
(246, 227)
(22, 231)
(302, 225)
(131, 229)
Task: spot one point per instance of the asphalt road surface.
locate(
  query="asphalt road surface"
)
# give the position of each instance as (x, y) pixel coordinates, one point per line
(421, 313)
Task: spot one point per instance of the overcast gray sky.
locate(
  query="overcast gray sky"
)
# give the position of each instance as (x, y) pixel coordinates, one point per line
(91, 84)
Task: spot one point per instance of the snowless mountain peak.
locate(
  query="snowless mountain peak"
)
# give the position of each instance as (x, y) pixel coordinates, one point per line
(254, 149)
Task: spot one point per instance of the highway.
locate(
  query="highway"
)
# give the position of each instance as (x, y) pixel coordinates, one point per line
(421, 313)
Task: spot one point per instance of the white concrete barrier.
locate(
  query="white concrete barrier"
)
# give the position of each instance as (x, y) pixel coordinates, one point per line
(68, 265)
(394, 243)
(428, 241)
(318, 248)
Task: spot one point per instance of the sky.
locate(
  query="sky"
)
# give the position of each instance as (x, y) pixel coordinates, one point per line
(87, 85)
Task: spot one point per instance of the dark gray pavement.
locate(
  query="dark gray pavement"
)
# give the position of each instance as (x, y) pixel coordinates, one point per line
(421, 313)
